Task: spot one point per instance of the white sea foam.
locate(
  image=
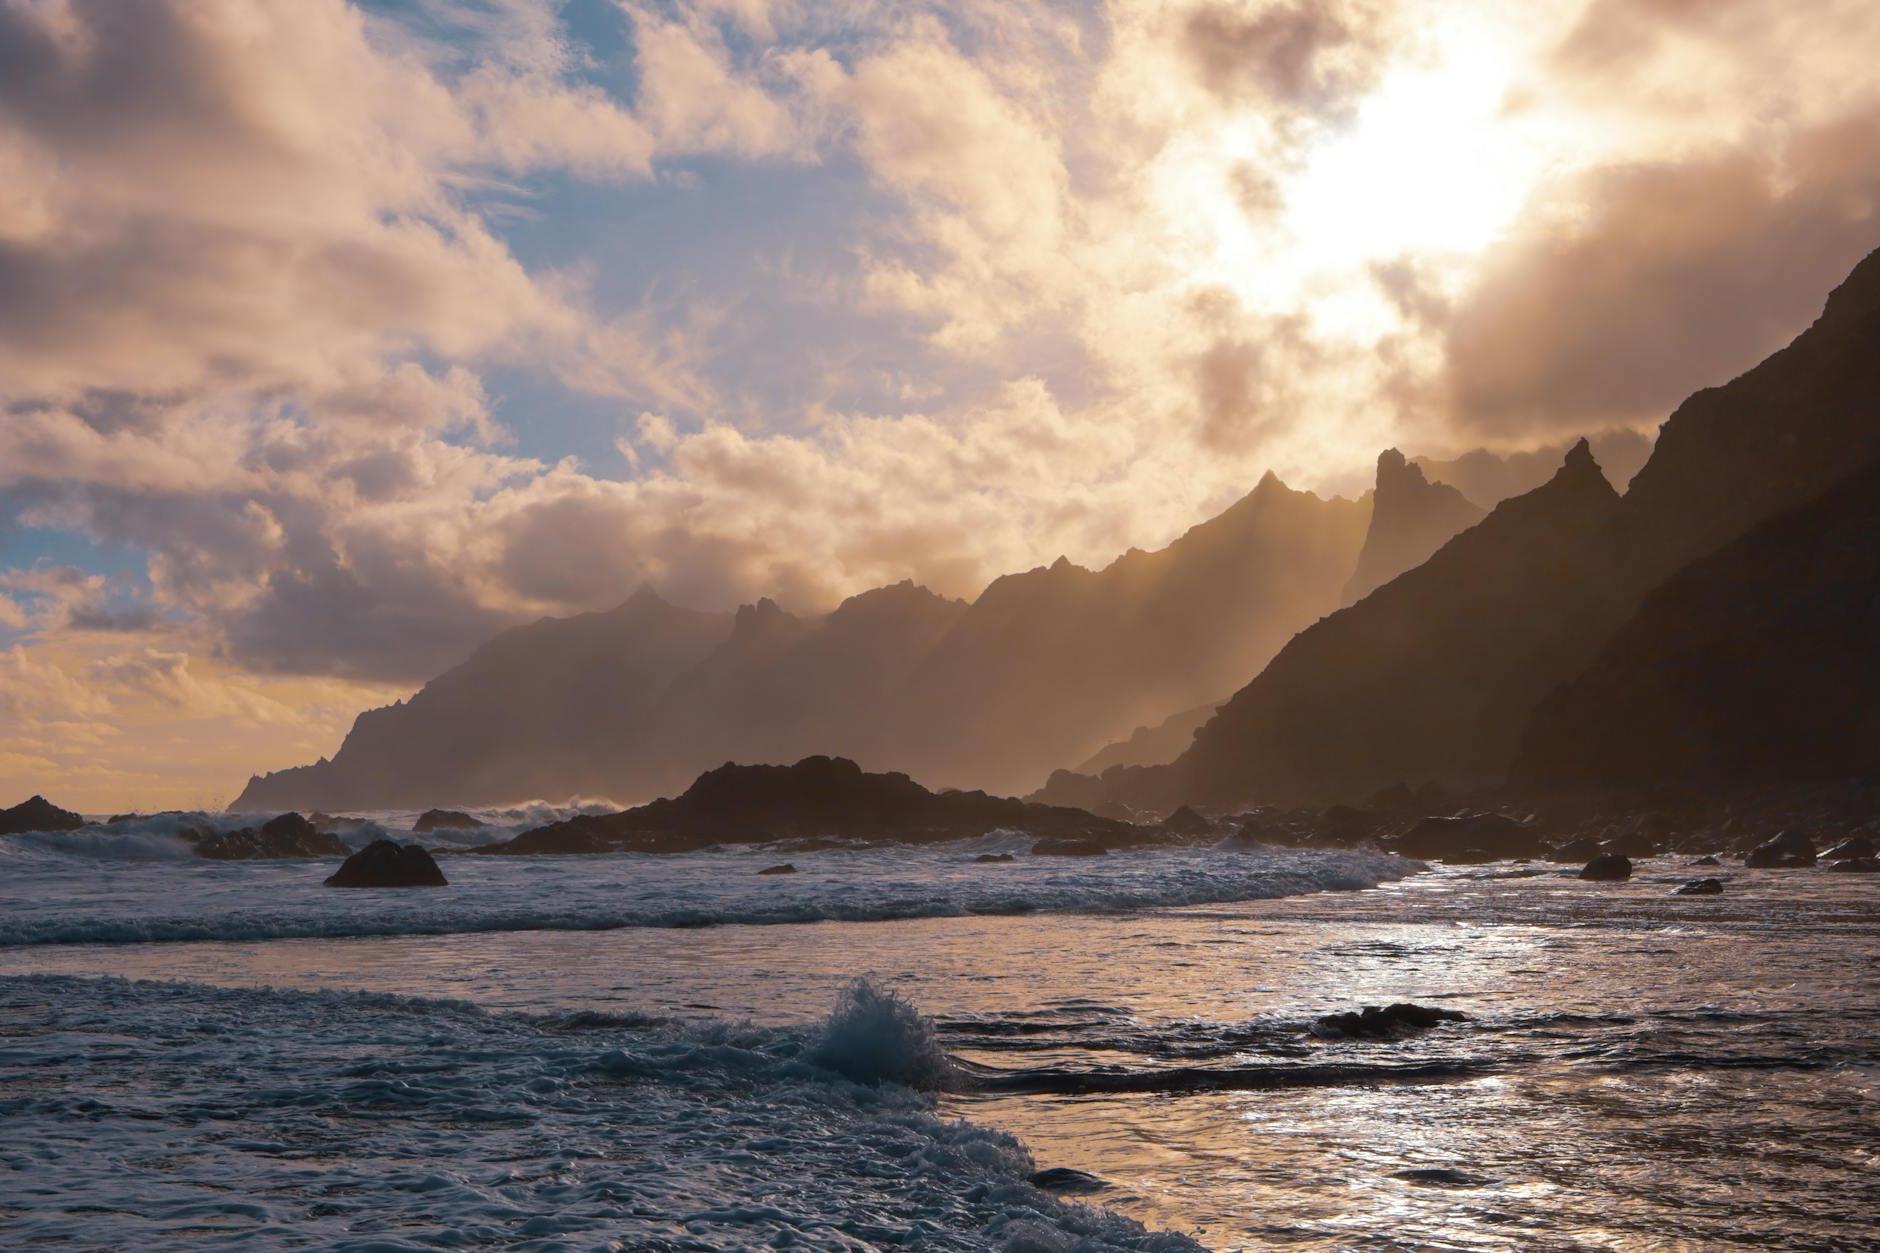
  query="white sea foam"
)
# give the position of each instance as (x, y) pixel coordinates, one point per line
(340, 1118)
(74, 898)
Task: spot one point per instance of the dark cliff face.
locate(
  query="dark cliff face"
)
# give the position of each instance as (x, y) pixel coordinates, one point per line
(1045, 667)
(1411, 518)
(1434, 676)
(1758, 663)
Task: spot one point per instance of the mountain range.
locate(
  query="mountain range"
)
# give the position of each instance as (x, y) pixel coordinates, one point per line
(1044, 667)
(1581, 631)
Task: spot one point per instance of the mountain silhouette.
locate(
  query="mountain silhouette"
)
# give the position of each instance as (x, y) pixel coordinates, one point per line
(1433, 677)
(1411, 517)
(1757, 663)
(1043, 668)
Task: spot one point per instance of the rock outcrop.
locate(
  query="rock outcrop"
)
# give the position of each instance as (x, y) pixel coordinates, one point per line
(818, 797)
(446, 820)
(285, 835)
(36, 813)
(1607, 868)
(1469, 838)
(1388, 1022)
(1791, 850)
(1411, 518)
(388, 864)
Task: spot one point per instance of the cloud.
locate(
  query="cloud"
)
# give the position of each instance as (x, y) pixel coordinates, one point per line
(1679, 265)
(1307, 54)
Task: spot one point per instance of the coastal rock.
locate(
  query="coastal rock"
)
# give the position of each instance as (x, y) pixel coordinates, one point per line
(445, 820)
(1185, 821)
(284, 836)
(1468, 839)
(986, 859)
(818, 797)
(1706, 860)
(1701, 887)
(783, 868)
(1790, 850)
(1855, 865)
(1441, 1177)
(1607, 868)
(1066, 1181)
(1373, 1022)
(38, 814)
(386, 864)
(1854, 848)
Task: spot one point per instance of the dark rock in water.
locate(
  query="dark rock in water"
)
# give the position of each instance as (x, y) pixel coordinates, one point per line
(784, 868)
(1441, 1177)
(1068, 847)
(1185, 821)
(286, 835)
(386, 864)
(1701, 887)
(988, 858)
(1063, 1179)
(445, 820)
(1856, 865)
(817, 797)
(1583, 849)
(1607, 868)
(1469, 838)
(1346, 824)
(1853, 848)
(38, 814)
(1392, 1020)
(1790, 850)
(1706, 860)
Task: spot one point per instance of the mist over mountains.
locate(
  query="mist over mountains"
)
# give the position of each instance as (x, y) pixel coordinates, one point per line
(1044, 667)
(1437, 676)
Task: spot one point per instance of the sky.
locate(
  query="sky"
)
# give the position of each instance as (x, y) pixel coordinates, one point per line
(335, 337)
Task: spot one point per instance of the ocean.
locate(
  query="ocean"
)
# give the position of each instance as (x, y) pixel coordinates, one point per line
(887, 1048)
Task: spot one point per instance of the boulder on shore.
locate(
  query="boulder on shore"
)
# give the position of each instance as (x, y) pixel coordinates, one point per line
(1701, 887)
(985, 859)
(784, 868)
(1706, 860)
(38, 814)
(445, 820)
(282, 836)
(1392, 1020)
(1607, 868)
(1469, 838)
(1853, 848)
(1791, 850)
(1856, 865)
(387, 864)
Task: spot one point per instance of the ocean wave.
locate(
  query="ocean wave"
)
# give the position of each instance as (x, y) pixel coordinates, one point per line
(176, 1110)
(284, 900)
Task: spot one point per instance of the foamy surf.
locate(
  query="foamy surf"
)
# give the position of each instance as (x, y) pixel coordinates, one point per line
(64, 896)
(341, 1118)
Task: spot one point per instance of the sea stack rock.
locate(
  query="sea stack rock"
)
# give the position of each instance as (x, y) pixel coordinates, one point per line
(386, 864)
(38, 814)
(445, 820)
(1411, 518)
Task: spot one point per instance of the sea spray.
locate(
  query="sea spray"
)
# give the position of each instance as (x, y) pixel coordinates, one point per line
(877, 1036)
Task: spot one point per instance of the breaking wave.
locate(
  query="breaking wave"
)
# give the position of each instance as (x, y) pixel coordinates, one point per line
(435, 1123)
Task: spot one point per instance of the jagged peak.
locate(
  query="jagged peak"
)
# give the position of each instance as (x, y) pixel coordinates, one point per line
(905, 593)
(644, 597)
(763, 616)
(1858, 293)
